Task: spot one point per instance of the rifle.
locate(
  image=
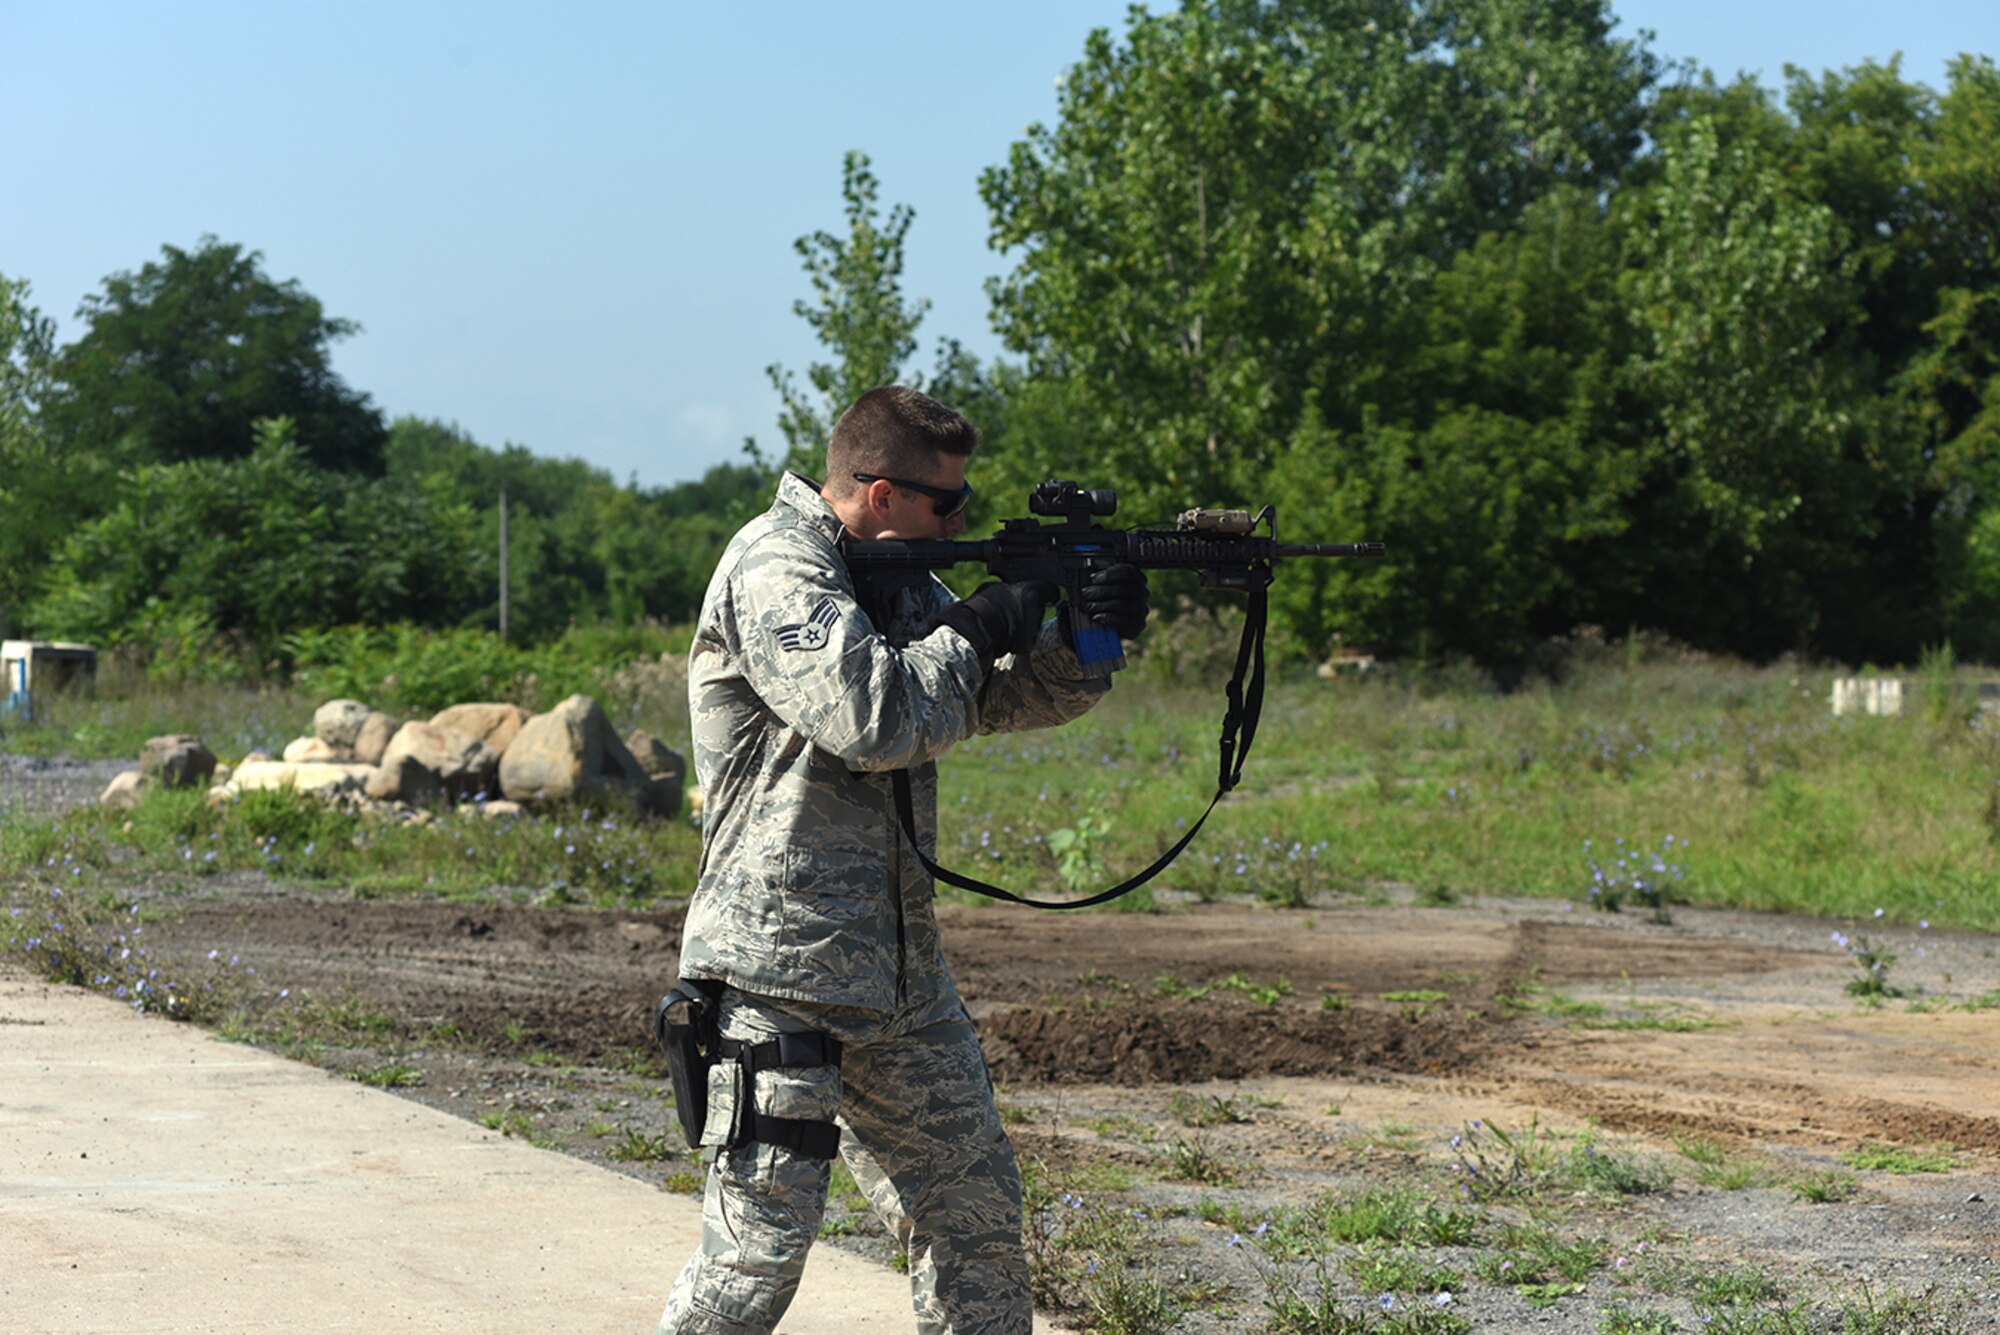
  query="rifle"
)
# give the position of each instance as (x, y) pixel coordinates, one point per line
(1223, 545)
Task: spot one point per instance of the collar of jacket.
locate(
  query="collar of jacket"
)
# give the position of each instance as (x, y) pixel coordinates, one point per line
(800, 495)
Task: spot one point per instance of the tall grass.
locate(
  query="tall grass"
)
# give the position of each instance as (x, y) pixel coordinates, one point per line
(1426, 781)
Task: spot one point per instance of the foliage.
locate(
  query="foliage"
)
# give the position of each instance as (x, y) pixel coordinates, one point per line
(403, 668)
(857, 312)
(181, 359)
(37, 490)
(580, 547)
(222, 554)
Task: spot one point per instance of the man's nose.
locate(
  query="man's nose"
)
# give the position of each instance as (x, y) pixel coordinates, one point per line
(954, 524)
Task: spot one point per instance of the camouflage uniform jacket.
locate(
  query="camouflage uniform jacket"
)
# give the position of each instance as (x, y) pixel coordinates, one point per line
(801, 709)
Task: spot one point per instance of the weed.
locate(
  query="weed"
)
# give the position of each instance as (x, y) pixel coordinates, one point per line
(508, 1122)
(1896, 1159)
(1071, 1240)
(1126, 1300)
(1534, 1253)
(1379, 1270)
(1736, 1175)
(1620, 1319)
(635, 1146)
(1827, 1187)
(1897, 1311)
(1734, 1286)
(1213, 1110)
(1396, 1215)
(597, 1128)
(1545, 1002)
(1873, 961)
(1267, 993)
(1629, 874)
(1308, 1304)
(1076, 848)
(393, 1076)
(687, 1182)
(1613, 1174)
(1415, 1003)
(1193, 1160)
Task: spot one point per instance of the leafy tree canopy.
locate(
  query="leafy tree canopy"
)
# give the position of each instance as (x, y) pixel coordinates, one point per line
(179, 361)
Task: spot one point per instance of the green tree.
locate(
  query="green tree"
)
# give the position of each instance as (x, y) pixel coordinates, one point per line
(1503, 501)
(580, 546)
(1950, 387)
(1227, 242)
(34, 488)
(181, 358)
(857, 311)
(1738, 286)
(222, 555)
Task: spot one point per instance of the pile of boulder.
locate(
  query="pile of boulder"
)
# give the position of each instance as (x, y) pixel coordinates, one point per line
(498, 758)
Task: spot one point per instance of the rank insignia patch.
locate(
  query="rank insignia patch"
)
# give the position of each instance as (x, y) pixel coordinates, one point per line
(815, 632)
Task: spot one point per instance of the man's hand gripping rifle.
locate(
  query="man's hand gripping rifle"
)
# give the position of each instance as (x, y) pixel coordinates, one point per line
(1223, 545)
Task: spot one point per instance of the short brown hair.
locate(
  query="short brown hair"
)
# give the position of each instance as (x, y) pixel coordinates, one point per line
(894, 431)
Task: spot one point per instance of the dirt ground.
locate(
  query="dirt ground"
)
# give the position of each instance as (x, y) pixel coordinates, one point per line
(1336, 1046)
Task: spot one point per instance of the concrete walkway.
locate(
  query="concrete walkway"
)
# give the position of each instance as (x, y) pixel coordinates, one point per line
(153, 1178)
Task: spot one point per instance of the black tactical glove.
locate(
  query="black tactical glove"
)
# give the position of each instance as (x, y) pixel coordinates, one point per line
(1116, 597)
(1001, 618)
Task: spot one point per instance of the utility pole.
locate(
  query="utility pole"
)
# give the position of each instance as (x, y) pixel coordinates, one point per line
(503, 563)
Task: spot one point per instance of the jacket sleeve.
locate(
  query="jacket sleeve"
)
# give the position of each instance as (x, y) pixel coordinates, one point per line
(1042, 689)
(818, 663)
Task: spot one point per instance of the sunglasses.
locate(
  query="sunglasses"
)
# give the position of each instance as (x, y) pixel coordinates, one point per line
(948, 504)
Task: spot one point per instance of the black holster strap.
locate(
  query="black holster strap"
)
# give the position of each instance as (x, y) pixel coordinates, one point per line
(784, 1050)
(815, 1140)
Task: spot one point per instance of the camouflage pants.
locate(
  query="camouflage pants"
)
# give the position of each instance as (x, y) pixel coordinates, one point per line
(921, 1135)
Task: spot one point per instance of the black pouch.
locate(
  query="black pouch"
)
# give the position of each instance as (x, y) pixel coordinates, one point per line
(686, 1025)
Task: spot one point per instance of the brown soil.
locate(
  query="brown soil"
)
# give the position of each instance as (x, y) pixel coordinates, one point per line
(1736, 1028)
(1773, 1048)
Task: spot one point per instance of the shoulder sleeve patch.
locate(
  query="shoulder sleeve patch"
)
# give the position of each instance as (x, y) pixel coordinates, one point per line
(813, 632)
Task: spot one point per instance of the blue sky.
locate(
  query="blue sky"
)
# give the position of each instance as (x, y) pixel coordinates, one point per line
(573, 231)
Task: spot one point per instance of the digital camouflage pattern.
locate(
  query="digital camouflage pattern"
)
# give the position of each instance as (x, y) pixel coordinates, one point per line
(919, 1132)
(806, 693)
(801, 707)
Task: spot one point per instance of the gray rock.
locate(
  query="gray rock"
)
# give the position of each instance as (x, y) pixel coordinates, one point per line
(372, 742)
(338, 723)
(404, 778)
(665, 767)
(570, 753)
(178, 760)
(463, 765)
(315, 751)
(125, 791)
(497, 725)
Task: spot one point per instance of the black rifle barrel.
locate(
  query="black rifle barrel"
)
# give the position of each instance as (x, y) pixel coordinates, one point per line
(1153, 549)
(1333, 549)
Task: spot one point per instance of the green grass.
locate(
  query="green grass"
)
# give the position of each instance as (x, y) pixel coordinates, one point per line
(1779, 805)
(1417, 781)
(636, 1146)
(1828, 1187)
(591, 855)
(1900, 1160)
(394, 1075)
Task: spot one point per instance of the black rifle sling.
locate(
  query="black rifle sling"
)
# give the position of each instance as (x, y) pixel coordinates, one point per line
(1246, 704)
